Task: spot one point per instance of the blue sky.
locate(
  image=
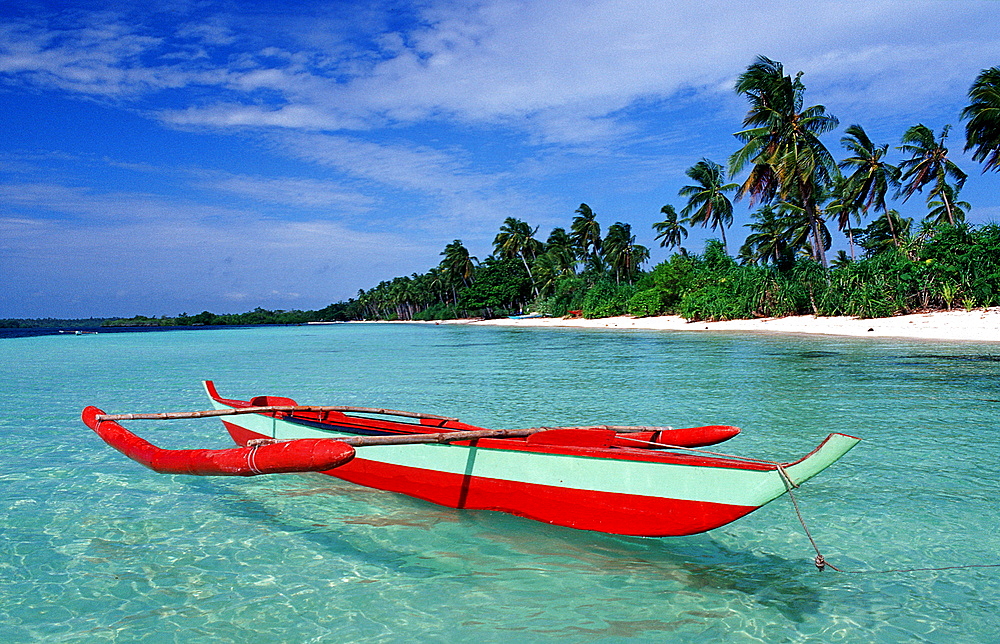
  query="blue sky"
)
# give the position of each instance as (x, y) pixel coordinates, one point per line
(192, 155)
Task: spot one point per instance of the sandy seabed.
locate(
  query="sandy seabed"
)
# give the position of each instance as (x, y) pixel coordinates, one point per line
(977, 325)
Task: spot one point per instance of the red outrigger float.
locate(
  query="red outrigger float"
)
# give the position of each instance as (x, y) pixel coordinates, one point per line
(644, 481)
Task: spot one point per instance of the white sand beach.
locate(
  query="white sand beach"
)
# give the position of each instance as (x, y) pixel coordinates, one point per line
(979, 325)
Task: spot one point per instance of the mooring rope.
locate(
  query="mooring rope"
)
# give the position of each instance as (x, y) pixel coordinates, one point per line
(822, 563)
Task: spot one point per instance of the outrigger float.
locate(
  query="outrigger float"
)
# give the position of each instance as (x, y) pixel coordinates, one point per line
(642, 481)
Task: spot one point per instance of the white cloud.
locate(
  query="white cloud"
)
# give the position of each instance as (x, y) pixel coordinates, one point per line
(450, 193)
(563, 69)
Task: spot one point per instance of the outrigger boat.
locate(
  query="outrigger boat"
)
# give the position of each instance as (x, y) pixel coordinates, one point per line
(643, 481)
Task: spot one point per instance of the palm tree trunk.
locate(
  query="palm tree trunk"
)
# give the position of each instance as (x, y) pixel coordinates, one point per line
(892, 229)
(819, 250)
(530, 276)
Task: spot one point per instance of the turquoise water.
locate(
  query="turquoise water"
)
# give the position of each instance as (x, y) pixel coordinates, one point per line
(95, 548)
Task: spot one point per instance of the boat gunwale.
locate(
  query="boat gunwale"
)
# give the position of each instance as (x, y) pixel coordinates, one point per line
(700, 458)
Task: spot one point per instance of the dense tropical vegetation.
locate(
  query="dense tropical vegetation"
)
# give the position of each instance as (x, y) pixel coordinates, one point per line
(800, 190)
(894, 265)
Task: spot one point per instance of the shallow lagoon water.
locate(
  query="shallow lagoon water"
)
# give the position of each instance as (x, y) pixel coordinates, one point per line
(96, 548)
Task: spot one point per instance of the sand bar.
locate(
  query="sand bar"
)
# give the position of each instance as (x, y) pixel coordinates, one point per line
(978, 325)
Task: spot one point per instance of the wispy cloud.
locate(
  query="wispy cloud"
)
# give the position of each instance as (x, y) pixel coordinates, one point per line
(561, 69)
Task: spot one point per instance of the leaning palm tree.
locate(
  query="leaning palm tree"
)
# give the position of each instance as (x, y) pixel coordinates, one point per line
(928, 162)
(707, 203)
(517, 239)
(982, 132)
(782, 144)
(869, 182)
(670, 231)
(946, 208)
(586, 233)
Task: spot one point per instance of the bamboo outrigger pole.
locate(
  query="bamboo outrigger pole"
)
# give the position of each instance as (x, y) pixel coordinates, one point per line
(453, 436)
(174, 415)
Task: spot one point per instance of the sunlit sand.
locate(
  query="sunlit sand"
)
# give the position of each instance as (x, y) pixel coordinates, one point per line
(974, 325)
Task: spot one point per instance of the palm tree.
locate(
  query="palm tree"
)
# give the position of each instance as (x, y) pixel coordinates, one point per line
(841, 260)
(586, 232)
(928, 162)
(708, 204)
(799, 231)
(782, 143)
(559, 246)
(670, 231)
(769, 240)
(982, 132)
(887, 231)
(517, 239)
(865, 188)
(946, 207)
(548, 272)
(458, 265)
(621, 252)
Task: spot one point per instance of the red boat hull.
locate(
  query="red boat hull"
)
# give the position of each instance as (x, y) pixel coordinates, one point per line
(626, 514)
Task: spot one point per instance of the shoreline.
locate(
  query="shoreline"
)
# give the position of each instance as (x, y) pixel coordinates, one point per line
(978, 325)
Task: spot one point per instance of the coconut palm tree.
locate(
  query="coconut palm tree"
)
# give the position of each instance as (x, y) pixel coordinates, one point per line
(586, 233)
(982, 132)
(889, 230)
(799, 229)
(782, 144)
(458, 265)
(869, 181)
(670, 231)
(559, 246)
(517, 239)
(946, 207)
(621, 252)
(547, 274)
(707, 203)
(841, 260)
(928, 162)
(768, 243)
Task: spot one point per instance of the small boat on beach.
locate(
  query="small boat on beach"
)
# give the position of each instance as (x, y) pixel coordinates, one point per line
(643, 481)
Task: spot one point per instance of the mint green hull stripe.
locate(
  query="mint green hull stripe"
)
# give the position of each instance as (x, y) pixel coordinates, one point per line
(666, 480)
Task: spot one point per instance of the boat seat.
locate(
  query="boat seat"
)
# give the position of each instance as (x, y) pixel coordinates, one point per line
(268, 401)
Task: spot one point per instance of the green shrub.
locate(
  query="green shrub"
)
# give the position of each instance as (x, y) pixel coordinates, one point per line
(646, 303)
(607, 299)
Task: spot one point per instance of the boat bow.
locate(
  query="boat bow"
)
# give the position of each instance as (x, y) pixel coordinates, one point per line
(825, 455)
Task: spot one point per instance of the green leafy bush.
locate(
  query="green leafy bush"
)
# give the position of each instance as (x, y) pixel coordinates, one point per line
(607, 299)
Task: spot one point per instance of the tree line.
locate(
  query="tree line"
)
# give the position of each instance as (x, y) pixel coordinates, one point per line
(802, 194)
(894, 264)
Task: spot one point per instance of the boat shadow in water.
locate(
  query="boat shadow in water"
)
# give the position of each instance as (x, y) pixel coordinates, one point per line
(377, 527)
(698, 564)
